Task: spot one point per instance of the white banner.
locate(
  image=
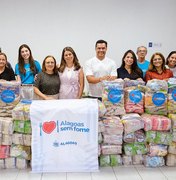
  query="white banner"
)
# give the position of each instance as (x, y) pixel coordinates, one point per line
(64, 135)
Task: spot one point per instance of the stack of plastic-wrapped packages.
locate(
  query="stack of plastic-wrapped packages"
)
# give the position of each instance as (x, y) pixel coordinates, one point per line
(113, 97)
(134, 96)
(9, 98)
(156, 97)
(21, 138)
(158, 138)
(171, 157)
(134, 139)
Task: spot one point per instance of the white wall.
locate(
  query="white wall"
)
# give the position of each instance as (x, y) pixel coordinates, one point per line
(47, 26)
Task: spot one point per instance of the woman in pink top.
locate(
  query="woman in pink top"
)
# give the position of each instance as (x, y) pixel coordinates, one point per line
(71, 75)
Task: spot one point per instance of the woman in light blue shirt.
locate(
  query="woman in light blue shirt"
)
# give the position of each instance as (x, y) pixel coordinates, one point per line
(27, 67)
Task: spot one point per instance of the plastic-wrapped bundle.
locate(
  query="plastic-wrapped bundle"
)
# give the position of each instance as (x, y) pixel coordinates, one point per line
(171, 160)
(134, 100)
(22, 127)
(172, 148)
(173, 120)
(126, 160)
(10, 163)
(113, 97)
(153, 161)
(134, 97)
(134, 149)
(111, 149)
(157, 150)
(21, 163)
(110, 160)
(129, 83)
(6, 139)
(137, 136)
(2, 164)
(159, 137)
(112, 139)
(137, 159)
(156, 122)
(4, 151)
(174, 135)
(6, 124)
(171, 95)
(20, 151)
(9, 96)
(156, 97)
(132, 122)
(22, 111)
(112, 125)
(101, 109)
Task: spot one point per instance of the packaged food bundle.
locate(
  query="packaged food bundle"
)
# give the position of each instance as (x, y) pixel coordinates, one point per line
(22, 126)
(101, 127)
(20, 151)
(159, 137)
(172, 148)
(6, 139)
(6, 124)
(171, 160)
(153, 161)
(132, 149)
(112, 125)
(21, 163)
(112, 139)
(110, 160)
(156, 122)
(9, 94)
(10, 163)
(137, 136)
(4, 151)
(111, 149)
(132, 122)
(2, 164)
(156, 97)
(0, 138)
(173, 120)
(171, 95)
(127, 160)
(134, 101)
(134, 97)
(100, 138)
(22, 111)
(129, 83)
(137, 159)
(101, 109)
(113, 97)
(174, 135)
(157, 149)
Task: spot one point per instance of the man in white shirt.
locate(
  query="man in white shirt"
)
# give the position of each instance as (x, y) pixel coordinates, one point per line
(99, 68)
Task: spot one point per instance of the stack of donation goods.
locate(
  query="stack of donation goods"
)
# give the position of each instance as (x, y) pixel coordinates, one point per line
(15, 128)
(139, 123)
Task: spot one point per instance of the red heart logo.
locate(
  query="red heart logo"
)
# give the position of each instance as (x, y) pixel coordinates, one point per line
(48, 127)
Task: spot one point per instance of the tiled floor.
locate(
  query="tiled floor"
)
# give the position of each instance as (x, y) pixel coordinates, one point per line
(105, 173)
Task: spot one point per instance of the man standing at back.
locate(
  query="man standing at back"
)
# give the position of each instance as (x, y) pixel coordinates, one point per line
(99, 68)
(142, 63)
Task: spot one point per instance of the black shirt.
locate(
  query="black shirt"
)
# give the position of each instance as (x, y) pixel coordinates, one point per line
(7, 74)
(123, 73)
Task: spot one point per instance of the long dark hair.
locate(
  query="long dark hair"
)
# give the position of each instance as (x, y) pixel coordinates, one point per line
(75, 60)
(21, 60)
(170, 54)
(134, 66)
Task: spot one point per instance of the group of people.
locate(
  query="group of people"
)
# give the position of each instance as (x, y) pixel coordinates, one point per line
(66, 80)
